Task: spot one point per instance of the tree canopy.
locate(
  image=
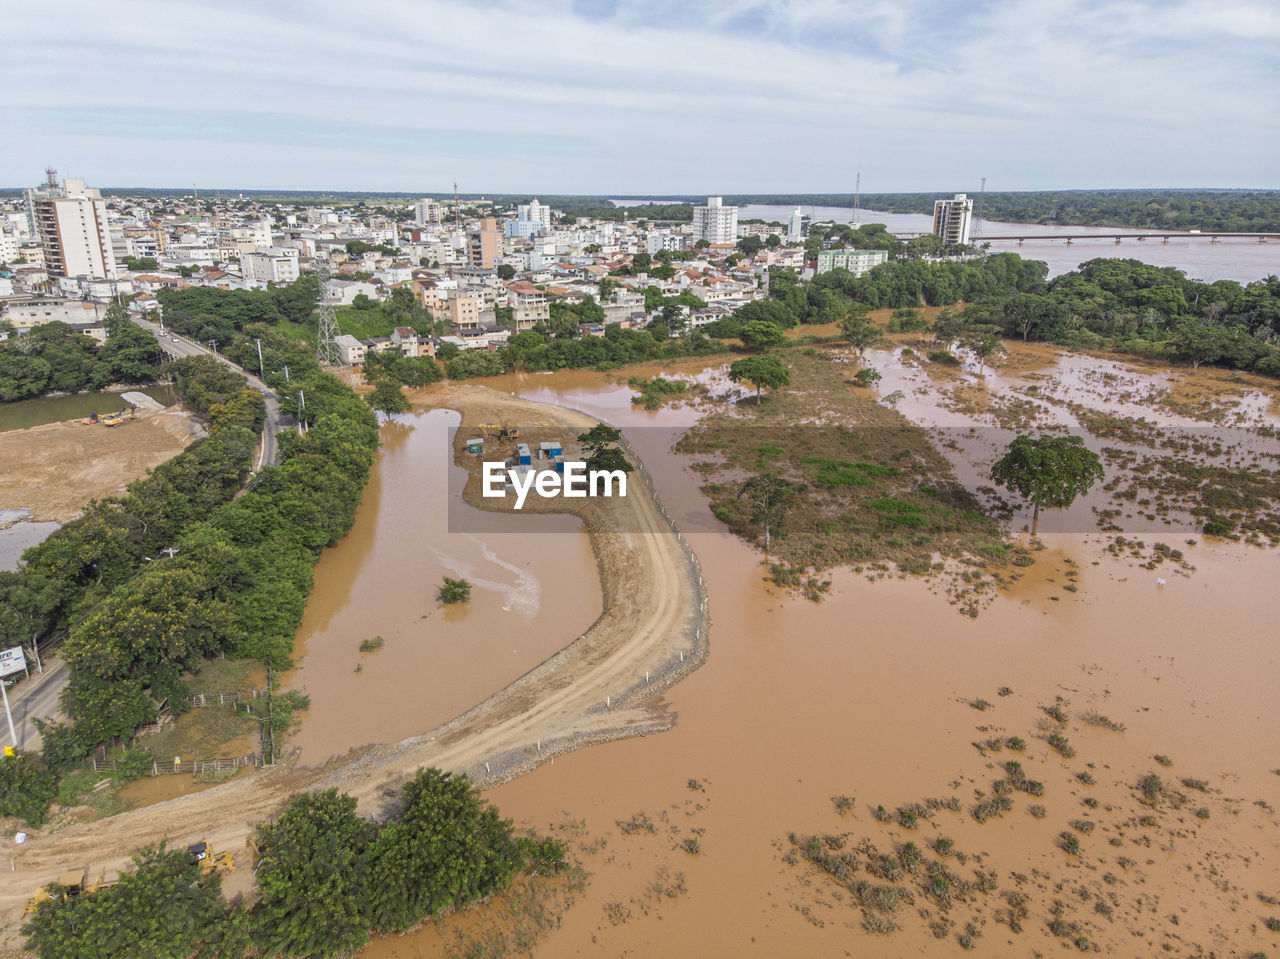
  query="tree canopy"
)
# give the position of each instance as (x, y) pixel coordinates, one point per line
(760, 371)
(1049, 471)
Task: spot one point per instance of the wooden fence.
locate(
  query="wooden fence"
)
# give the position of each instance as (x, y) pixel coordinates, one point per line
(192, 768)
(226, 699)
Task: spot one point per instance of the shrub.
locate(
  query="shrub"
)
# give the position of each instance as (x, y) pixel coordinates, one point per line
(1016, 743)
(454, 591)
(1061, 744)
(27, 786)
(867, 376)
(945, 357)
(1070, 844)
(369, 645)
(1150, 786)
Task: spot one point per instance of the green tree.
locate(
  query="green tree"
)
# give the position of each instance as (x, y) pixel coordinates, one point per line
(983, 341)
(313, 876)
(1049, 471)
(948, 327)
(760, 334)
(164, 909)
(750, 245)
(602, 453)
(861, 332)
(363, 302)
(446, 848)
(641, 262)
(760, 371)
(387, 397)
(770, 496)
(506, 271)
(773, 241)
(27, 786)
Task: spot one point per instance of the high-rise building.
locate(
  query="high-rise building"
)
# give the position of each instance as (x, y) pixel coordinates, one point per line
(72, 224)
(428, 212)
(951, 219)
(534, 212)
(715, 222)
(484, 247)
(795, 225)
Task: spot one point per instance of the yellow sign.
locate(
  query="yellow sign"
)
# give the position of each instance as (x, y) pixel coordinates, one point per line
(9, 751)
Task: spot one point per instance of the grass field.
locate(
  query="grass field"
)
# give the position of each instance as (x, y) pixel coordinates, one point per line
(362, 324)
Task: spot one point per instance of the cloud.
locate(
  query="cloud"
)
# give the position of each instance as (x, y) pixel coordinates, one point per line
(592, 96)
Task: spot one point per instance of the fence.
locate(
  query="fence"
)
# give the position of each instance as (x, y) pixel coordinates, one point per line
(226, 699)
(193, 768)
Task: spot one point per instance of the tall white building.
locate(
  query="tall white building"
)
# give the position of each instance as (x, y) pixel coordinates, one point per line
(72, 224)
(795, 226)
(715, 222)
(428, 212)
(951, 219)
(534, 212)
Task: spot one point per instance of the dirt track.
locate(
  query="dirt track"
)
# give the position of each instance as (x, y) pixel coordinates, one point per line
(653, 630)
(53, 470)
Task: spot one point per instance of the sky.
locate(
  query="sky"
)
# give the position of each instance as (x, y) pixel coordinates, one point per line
(643, 97)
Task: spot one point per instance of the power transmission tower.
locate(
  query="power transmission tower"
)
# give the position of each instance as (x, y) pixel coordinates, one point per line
(976, 231)
(457, 207)
(327, 352)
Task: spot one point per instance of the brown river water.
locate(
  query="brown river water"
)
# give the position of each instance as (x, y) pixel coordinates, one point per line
(864, 695)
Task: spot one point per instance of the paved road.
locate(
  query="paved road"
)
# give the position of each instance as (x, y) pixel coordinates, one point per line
(37, 696)
(178, 346)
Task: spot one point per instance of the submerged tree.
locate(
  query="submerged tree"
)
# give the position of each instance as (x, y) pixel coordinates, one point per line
(760, 371)
(1050, 471)
(770, 496)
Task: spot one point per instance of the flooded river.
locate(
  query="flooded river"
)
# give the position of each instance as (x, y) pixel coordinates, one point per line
(867, 696)
(534, 588)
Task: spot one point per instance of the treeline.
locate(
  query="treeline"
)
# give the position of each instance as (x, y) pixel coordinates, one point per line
(326, 879)
(1122, 305)
(54, 357)
(600, 208)
(533, 350)
(206, 313)
(146, 586)
(1132, 307)
(1231, 211)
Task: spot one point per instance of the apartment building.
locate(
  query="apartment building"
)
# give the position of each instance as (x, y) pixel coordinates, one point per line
(715, 222)
(952, 219)
(72, 225)
(856, 262)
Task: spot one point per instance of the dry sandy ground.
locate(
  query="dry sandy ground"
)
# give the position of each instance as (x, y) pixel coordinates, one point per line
(653, 612)
(53, 470)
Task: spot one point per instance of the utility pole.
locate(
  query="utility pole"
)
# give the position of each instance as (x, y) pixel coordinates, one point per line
(302, 404)
(8, 714)
(286, 373)
(457, 207)
(261, 375)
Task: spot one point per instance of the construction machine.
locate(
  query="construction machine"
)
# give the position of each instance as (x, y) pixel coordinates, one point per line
(67, 885)
(209, 860)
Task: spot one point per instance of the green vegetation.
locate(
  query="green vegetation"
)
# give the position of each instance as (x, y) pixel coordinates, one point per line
(760, 371)
(1050, 471)
(602, 453)
(27, 786)
(207, 313)
(326, 879)
(454, 591)
(147, 586)
(869, 490)
(654, 391)
(568, 349)
(371, 645)
(55, 358)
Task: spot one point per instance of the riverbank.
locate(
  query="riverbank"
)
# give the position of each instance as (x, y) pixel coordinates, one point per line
(596, 689)
(55, 469)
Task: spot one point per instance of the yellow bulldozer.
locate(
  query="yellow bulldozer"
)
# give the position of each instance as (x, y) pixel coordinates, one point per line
(67, 885)
(211, 861)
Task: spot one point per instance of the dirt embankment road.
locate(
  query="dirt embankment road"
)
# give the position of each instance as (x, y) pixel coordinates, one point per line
(652, 631)
(53, 470)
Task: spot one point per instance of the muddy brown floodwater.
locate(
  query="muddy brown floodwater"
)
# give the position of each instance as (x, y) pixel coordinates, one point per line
(867, 695)
(534, 588)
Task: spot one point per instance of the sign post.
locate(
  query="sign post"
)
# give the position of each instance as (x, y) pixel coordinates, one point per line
(11, 661)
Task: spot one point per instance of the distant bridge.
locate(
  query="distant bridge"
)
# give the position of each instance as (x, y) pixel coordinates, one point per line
(1117, 237)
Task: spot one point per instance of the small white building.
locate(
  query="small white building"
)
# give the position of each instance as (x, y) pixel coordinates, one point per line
(351, 350)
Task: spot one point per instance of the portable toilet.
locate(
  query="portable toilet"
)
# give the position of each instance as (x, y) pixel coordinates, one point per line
(475, 446)
(551, 450)
(559, 463)
(524, 457)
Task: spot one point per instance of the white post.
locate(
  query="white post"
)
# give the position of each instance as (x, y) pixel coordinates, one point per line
(7, 713)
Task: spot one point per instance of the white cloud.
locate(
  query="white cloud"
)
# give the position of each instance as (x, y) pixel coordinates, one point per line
(740, 95)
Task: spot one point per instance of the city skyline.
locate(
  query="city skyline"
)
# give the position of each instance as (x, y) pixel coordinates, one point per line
(614, 97)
